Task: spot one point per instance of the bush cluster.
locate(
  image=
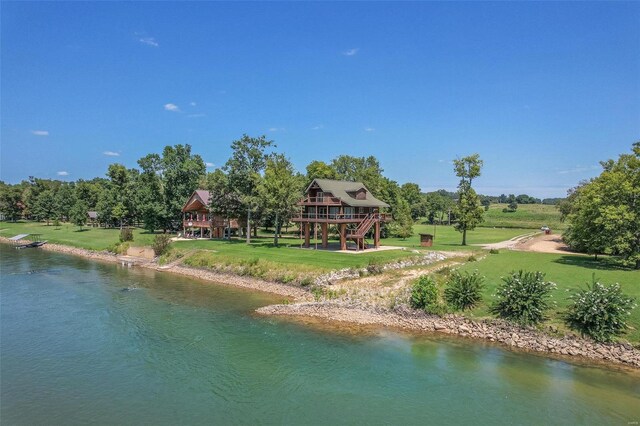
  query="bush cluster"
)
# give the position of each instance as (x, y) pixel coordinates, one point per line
(523, 298)
(464, 291)
(424, 295)
(126, 234)
(161, 244)
(599, 311)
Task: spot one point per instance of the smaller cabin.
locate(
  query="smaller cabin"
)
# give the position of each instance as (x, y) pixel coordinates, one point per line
(92, 218)
(198, 222)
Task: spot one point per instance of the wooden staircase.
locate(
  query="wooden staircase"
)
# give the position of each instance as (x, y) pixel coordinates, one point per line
(358, 235)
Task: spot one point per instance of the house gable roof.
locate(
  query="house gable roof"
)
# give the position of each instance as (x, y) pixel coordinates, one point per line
(343, 189)
(199, 198)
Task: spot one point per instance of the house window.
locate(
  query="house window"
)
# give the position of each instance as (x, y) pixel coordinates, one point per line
(320, 196)
(333, 212)
(348, 212)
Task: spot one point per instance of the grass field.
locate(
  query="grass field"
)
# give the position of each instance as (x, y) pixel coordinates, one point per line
(67, 234)
(567, 271)
(531, 216)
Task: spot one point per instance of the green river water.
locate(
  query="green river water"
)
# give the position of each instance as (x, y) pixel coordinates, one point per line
(83, 342)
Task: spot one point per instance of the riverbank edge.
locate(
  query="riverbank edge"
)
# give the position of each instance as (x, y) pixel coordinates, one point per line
(495, 331)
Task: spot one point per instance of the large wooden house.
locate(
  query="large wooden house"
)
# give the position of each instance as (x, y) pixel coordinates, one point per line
(348, 205)
(197, 221)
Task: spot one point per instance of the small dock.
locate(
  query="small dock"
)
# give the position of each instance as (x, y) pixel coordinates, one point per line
(21, 242)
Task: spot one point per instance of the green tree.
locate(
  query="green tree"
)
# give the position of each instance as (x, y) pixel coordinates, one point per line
(121, 190)
(247, 161)
(402, 216)
(604, 214)
(280, 190)
(65, 199)
(224, 202)
(11, 204)
(44, 206)
(181, 172)
(78, 213)
(412, 194)
(468, 211)
(320, 170)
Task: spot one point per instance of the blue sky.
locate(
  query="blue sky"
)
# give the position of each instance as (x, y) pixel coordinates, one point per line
(542, 91)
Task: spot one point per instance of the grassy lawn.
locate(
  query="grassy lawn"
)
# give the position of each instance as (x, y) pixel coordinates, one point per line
(67, 234)
(567, 271)
(531, 216)
(447, 238)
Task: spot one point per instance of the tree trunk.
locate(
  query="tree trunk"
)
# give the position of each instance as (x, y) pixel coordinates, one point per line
(277, 228)
(464, 237)
(249, 225)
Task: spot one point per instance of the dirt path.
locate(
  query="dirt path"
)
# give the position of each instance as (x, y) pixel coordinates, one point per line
(509, 244)
(551, 243)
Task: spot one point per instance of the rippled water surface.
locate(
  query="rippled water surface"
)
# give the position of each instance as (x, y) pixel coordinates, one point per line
(84, 342)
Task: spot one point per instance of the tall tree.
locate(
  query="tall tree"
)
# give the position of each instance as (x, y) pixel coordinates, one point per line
(247, 161)
(224, 201)
(469, 212)
(412, 194)
(604, 214)
(280, 190)
(320, 170)
(11, 204)
(44, 206)
(121, 192)
(181, 173)
(78, 213)
(402, 216)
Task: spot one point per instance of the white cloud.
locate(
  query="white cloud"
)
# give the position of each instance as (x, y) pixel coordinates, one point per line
(192, 103)
(351, 52)
(150, 41)
(369, 129)
(171, 107)
(111, 154)
(578, 169)
(62, 173)
(318, 127)
(209, 165)
(40, 132)
(440, 161)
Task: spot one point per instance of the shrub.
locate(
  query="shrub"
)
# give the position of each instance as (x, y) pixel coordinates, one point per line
(306, 281)
(126, 234)
(494, 251)
(424, 294)
(599, 311)
(523, 298)
(161, 244)
(374, 267)
(471, 258)
(464, 291)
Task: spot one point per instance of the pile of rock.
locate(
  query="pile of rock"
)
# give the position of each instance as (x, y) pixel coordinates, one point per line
(350, 273)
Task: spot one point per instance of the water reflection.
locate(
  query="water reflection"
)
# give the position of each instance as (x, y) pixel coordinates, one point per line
(78, 348)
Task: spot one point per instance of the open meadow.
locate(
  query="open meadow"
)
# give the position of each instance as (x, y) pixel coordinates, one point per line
(531, 216)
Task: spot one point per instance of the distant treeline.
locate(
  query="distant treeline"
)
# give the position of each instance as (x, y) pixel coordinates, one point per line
(255, 183)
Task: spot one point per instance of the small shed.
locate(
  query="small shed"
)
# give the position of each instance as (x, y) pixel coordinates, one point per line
(93, 218)
(426, 240)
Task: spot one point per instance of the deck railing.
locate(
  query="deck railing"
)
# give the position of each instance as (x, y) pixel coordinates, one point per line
(188, 223)
(327, 201)
(355, 217)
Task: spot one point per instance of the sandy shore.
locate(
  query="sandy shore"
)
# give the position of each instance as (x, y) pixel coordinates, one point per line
(399, 317)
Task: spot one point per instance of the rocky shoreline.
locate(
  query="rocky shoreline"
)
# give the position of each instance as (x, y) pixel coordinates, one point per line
(491, 330)
(399, 317)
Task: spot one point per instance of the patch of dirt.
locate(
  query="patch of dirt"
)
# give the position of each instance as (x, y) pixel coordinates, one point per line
(551, 243)
(509, 244)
